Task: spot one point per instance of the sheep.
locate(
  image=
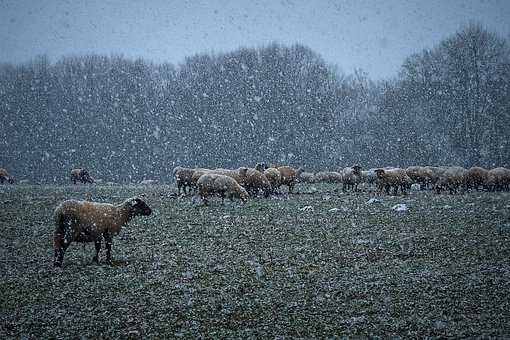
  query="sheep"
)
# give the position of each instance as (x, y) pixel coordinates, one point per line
(261, 167)
(197, 173)
(85, 221)
(306, 177)
(351, 177)
(4, 176)
(452, 179)
(476, 177)
(233, 173)
(222, 185)
(437, 171)
(81, 175)
(183, 178)
(369, 177)
(328, 177)
(289, 176)
(255, 182)
(420, 175)
(274, 177)
(394, 178)
(498, 179)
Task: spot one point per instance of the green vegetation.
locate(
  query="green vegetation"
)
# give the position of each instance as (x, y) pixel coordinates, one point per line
(318, 264)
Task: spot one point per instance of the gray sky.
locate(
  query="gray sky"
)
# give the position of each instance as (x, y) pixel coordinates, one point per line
(375, 36)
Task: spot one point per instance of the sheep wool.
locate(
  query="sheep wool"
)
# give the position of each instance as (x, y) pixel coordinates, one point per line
(85, 221)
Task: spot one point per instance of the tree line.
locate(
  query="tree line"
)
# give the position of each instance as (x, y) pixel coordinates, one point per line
(126, 119)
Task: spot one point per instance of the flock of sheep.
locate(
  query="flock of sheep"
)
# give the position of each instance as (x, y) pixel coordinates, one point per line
(84, 221)
(267, 180)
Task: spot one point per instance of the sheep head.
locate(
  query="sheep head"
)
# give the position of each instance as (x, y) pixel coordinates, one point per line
(379, 172)
(138, 207)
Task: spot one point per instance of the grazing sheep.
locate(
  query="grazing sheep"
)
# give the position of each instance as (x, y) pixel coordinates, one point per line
(4, 176)
(81, 175)
(394, 178)
(369, 177)
(452, 179)
(475, 178)
(306, 177)
(289, 176)
(83, 221)
(232, 173)
(222, 185)
(498, 179)
(437, 172)
(255, 182)
(183, 179)
(420, 175)
(351, 177)
(328, 177)
(197, 173)
(274, 177)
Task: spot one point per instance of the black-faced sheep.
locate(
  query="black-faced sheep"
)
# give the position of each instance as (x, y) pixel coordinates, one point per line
(289, 176)
(394, 178)
(274, 177)
(351, 177)
(420, 175)
(328, 177)
(498, 179)
(183, 178)
(261, 167)
(255, 182)
(84, 221)
(5, 177)
(81, 175)
(437, 172)
(224, 186)
(369, 178)
(452, 180)
(306, 177)
(476, 178)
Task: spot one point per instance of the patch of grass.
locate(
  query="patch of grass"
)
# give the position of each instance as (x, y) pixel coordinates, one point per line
(321, 264)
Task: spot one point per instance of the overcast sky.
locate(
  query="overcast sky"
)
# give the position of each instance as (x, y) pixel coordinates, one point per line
(375, 36)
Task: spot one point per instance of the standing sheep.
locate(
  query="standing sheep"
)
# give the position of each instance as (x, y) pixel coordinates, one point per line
(306, 177)
(394, 178)
(224, 186)
(289, 176)
(328, 177)
(84, 221)
(498, 179)
(4, 176)
(452, 179)
(420, 175)
(351, 177)
(81, 175)
(475, 178)
(274, 177)
(183, 179)
(255, 182)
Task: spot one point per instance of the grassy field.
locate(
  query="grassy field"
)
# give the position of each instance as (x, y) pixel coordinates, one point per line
(320, 263)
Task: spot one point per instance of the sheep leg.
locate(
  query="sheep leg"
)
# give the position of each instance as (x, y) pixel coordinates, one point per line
(97, 243)
(108, 242)
(61, 245)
